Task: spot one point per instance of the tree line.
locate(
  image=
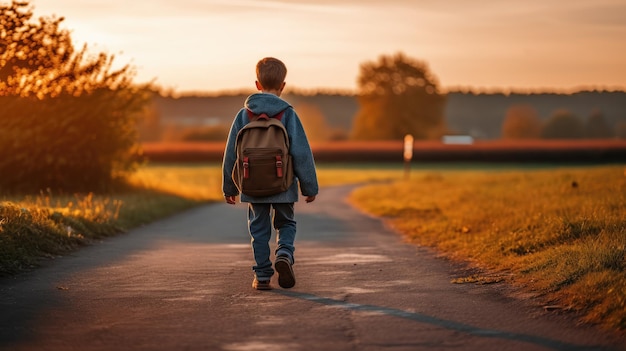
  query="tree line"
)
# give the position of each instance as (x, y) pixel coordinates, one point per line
(523, 122)
(399, 95)
(331, 116)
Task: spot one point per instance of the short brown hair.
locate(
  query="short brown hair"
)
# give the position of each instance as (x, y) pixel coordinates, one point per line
(271, 73)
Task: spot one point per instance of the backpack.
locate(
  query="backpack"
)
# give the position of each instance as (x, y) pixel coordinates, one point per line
(263, 166)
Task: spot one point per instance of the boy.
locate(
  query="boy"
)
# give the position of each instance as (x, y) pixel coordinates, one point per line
(275, 210)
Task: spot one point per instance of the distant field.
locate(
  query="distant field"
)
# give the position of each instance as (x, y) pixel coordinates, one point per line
(203, 181)
(582, 151)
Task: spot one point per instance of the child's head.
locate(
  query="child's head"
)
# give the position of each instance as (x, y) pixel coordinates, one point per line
(271, 73)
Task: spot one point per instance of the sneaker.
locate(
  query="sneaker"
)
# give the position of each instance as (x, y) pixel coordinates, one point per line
(286, 278)
(261, 284)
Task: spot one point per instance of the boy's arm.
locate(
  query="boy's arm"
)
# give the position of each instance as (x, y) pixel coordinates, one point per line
(230, 157)
(303, 162)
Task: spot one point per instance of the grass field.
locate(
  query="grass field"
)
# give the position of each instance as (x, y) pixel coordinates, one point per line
(559, 233)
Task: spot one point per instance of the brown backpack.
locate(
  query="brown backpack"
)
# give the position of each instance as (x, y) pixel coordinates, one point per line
(263, 165)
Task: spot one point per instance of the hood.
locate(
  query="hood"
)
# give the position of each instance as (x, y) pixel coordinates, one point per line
(269, 104)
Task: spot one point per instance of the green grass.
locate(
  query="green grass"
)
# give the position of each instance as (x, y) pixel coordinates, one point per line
(560, 233)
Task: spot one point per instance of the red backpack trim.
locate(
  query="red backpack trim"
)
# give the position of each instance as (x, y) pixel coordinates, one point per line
(252, 116)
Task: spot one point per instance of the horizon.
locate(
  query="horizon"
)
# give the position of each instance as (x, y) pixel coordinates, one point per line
(489, 46)
(326, 91)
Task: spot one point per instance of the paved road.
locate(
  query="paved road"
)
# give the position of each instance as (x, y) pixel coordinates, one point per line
(184, 283)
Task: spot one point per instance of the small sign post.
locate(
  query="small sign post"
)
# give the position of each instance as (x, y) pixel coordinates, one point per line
(408, 155)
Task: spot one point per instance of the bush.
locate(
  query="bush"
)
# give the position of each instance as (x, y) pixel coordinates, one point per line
(620, 130)
(66, 143)
(521, 122)
(597, 126)
(563, 125)
(67, 119)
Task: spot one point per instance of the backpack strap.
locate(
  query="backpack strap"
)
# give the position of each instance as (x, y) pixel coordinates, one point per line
(254, 117)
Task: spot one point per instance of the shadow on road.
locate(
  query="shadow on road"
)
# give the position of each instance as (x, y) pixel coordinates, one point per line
(447, 324)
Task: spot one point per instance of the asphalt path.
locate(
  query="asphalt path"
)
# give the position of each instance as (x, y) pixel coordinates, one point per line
(184, 283)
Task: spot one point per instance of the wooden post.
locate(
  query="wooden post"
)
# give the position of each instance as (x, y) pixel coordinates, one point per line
(408, 155)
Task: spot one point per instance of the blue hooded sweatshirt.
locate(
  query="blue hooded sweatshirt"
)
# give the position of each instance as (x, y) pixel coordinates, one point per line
(302, 157)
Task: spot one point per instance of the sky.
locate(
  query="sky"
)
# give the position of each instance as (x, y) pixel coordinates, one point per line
(213, 45)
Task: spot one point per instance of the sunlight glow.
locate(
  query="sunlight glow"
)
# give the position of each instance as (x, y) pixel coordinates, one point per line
(211, 45)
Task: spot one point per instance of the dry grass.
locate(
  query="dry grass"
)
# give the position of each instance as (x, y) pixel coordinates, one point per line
(204, 181)
(192, 181)
(48, 225)
(562, 233)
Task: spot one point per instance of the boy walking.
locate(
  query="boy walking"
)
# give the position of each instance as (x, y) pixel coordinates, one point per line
(275, 211)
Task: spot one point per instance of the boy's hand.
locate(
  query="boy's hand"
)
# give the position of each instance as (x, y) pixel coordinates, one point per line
(310, 198)
(231, 200)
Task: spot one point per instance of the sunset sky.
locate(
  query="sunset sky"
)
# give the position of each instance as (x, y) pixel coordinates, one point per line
(212, 45)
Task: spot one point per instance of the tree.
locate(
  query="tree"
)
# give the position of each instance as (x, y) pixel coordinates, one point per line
(149, 127)
(521, 122)
(563, 125)
(67, 119)
(620, 129)
(398, 96)
(597, 127)
(313, 121)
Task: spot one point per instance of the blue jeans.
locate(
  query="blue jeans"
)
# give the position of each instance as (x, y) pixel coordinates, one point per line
(261, 218)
